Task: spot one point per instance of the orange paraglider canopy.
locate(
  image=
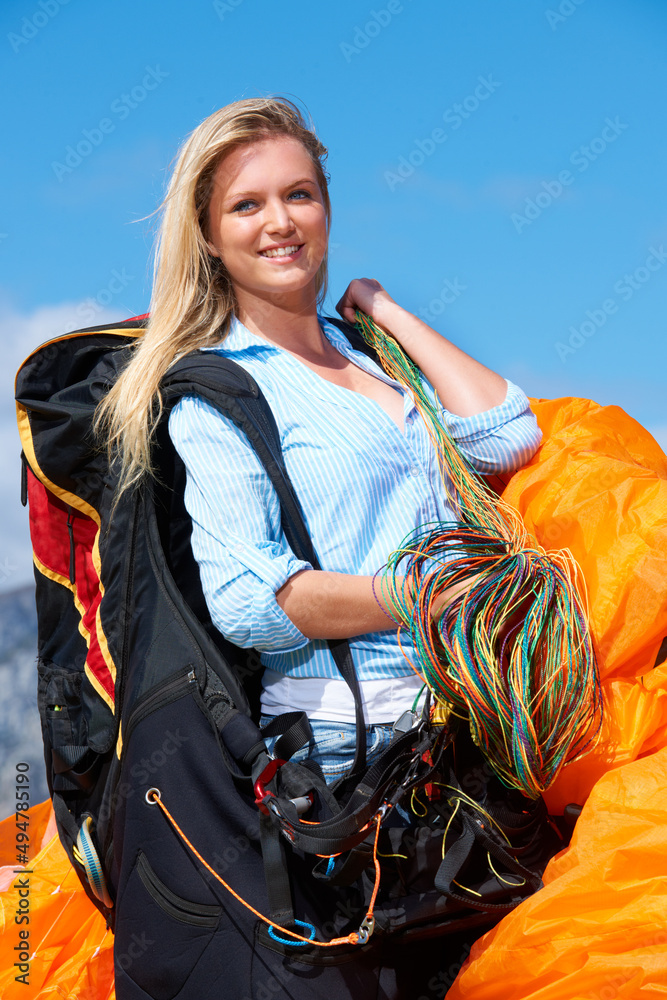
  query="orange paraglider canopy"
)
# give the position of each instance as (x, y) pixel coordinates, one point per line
(598, 928)
(71, 950)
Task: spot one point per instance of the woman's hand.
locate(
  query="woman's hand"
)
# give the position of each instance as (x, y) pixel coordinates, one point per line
(464, 386)
(449, 595)
(367, 295)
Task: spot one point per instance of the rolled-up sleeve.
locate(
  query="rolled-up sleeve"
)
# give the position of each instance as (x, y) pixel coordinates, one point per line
(501, 439)
(237, 537)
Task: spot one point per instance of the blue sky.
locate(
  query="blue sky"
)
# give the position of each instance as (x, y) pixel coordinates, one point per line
(499, 165)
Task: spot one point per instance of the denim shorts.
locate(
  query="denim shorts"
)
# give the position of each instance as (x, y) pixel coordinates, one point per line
(333, 744)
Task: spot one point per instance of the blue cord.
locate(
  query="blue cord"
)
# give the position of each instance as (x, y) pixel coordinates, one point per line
(296, 944)
(330, 866)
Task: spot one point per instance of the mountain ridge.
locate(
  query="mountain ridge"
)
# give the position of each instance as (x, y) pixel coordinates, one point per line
(20, 729)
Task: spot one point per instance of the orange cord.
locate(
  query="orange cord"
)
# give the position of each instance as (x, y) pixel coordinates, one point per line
(369, 915)
(367, 924)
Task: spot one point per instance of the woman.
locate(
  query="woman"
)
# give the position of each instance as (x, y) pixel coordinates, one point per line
(241, 268)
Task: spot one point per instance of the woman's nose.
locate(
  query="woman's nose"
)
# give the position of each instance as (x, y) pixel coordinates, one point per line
(278, 218)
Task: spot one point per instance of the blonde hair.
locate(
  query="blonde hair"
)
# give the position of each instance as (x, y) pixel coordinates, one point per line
(193, 297)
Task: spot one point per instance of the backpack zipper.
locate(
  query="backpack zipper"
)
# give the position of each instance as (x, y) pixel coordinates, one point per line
(24, 479)
(127, 590)
(153, 700)
(70, 529)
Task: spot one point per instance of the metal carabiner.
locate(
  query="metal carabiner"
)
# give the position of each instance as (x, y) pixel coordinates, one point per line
(261, 794)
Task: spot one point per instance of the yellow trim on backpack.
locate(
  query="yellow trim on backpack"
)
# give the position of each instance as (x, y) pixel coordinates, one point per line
(72, 500)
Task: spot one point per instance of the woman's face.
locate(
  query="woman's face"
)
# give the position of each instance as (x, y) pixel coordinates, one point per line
(267, 221)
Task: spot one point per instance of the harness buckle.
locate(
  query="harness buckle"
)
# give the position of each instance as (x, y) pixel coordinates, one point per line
(262, 796)
(404, 723)
(302, 803)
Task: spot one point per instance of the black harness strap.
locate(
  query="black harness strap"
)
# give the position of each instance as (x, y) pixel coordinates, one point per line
(278, 884)
(293, 730)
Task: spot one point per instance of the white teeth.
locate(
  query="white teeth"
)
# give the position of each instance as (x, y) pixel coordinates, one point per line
(280, 252)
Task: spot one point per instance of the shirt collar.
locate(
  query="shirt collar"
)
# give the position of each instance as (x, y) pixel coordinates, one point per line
(239, 337)
(334, 335)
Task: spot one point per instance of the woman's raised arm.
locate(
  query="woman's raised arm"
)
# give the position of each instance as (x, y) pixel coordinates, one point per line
(464, 386)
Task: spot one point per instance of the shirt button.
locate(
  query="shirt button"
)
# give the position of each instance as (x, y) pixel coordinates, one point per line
(414, 471)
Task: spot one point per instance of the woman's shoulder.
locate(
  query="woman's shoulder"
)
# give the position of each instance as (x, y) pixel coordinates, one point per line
(237, 339)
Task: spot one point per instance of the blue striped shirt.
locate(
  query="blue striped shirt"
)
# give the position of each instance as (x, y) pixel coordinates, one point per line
(363, 485)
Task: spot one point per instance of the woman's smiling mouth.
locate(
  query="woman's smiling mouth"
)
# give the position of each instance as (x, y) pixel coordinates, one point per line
(290, 251)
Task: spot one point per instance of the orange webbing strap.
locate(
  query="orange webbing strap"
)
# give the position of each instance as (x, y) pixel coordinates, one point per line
(154, 797)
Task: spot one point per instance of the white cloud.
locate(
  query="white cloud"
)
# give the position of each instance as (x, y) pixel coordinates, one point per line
(22, 333)
(19, 335)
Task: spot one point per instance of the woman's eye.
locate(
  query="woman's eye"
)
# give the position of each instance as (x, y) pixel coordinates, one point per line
(243, 206)
(248, 203)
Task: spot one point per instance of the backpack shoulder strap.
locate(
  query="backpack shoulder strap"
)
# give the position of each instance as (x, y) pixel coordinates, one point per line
(233, 391)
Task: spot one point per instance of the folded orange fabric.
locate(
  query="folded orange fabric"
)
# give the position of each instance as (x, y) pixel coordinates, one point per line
(599, 927)
(598, 486)
(71, 950)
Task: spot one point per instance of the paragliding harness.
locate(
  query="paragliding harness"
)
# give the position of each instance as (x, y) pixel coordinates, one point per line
(163, 788)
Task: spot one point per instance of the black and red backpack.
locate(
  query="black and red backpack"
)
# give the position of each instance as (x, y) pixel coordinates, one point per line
(144, 704)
